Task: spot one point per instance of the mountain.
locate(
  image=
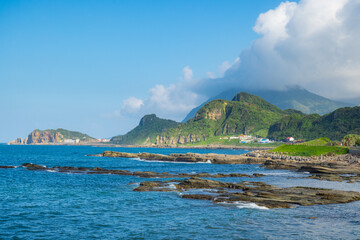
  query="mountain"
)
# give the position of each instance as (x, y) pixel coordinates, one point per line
(291, 98)
(54, 136)
(334, 125)
(245, 114)
(145, 133)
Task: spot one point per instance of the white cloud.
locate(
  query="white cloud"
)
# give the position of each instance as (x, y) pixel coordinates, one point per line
(132, 105)
(210, 75)
(188, 73)
(313, 44)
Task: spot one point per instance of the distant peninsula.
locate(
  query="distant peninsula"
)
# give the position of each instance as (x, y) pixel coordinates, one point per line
(53, 136)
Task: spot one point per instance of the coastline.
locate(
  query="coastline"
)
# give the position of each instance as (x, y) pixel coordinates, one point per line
(111, 145)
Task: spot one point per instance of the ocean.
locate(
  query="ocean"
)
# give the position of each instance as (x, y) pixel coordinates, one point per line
(52, 205)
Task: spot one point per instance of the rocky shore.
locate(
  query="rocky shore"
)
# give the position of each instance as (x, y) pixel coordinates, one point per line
(188, 157)
(330, 168)
(147, 174)
(256, 192)
(189, 185)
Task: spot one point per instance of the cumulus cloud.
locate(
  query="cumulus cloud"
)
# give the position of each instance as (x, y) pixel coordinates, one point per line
(171, 101)
(313, 44)
(132, 105)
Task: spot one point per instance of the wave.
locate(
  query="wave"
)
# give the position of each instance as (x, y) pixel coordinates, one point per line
(242, 205)
(172, 186)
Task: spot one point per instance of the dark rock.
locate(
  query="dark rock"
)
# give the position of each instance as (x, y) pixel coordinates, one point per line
(31, 166)
(257, 192)
(198, 196)
(7, 166)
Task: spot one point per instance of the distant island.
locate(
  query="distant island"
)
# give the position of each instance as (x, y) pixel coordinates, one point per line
(53, 136)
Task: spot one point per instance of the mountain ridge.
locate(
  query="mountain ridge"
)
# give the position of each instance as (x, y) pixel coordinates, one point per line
(296, 98)
(246, 114)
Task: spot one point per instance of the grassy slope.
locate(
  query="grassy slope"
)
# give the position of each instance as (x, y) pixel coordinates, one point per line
(315, 147)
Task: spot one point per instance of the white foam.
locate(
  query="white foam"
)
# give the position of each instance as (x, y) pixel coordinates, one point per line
(242, 205)
(276, 174)
(208, 161)
(250, 205)
(50, 170)
(172, 186)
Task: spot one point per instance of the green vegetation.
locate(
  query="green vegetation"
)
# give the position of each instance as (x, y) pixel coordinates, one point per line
(324, 141)
(67, 134)
(334, 125)
(246, 114)
(307, 151)
(317, 147)
(75, 135)
(231, 142)
(149, 127)
(291, 98)
(351, 140)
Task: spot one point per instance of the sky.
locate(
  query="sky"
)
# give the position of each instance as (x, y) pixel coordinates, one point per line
(98, 66)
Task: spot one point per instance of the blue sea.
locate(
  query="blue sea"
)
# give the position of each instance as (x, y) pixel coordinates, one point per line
(51, 205)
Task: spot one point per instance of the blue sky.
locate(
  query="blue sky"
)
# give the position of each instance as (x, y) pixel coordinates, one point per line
(70, 64)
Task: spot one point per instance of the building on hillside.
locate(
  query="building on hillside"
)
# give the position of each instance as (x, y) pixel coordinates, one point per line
(289, 139)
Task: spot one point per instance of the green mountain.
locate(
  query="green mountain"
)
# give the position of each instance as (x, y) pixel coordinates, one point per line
(291, 98)
(245, 114)
(145, 133)
(67, 134)
(334, 125)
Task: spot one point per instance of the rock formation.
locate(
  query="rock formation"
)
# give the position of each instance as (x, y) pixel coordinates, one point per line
(51, 136)
(256, 192)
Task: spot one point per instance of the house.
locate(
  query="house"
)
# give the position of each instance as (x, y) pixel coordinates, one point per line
(289, 139)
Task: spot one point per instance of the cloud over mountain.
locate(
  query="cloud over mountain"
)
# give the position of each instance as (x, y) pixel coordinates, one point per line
(313, 44)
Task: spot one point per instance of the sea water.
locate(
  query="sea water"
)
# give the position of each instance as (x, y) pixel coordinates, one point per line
(52, 205)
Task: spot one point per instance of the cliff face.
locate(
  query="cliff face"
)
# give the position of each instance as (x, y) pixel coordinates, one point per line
(19, 141)
(44, 137)
(166, 140)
